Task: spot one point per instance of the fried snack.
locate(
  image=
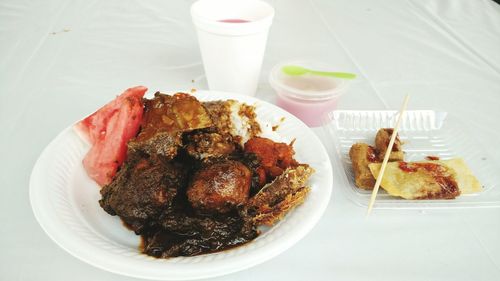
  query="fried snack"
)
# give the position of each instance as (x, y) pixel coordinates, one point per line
(270, 215)
(361, 155)
(467, 182)
(277, 198)
(382, 140)
(442, 179)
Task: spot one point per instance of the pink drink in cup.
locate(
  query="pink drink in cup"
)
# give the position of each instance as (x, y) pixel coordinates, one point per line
(307, 96)
(310, 112)
(233, 21)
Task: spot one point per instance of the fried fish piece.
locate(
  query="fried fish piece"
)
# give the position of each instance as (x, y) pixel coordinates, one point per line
(361, 155)
(441, 179)
(382, 140)
(280, 196)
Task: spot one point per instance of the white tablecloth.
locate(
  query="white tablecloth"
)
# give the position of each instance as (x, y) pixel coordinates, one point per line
(60, 60)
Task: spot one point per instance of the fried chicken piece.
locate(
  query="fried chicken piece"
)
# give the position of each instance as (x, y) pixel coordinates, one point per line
(165, 119)
(220, 187)
(275, 157)
(277, 198)
(382, 140)
(361, 155)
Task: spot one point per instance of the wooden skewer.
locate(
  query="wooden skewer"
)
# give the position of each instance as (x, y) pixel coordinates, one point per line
(387, 154)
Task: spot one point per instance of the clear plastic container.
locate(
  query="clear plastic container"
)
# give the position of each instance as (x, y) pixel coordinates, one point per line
(424, 133)
(307, 96)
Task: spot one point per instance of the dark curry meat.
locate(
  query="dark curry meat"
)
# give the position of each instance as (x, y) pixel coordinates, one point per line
(189, 187)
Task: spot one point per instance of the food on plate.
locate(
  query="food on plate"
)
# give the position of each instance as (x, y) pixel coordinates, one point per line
(183, 234)
(437, 179)
(234, 118)
(432, 179)
(220, 187)
(209, 145)
(165, 119)
(197, 177)
(274, 157)
(108, 130)
(382, 139)
(275, 199)
(143, 187)
(233, 124)
(362, 155)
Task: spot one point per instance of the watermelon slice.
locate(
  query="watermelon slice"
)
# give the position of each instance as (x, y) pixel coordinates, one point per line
(108, 130)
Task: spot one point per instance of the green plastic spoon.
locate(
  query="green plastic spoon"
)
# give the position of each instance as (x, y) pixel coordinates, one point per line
(295, 70)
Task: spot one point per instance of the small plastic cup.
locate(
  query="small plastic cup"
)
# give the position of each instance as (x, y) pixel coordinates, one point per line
(232, 37)
(307, 96)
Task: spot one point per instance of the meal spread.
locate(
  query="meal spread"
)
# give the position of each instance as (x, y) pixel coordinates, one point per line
(190, 177)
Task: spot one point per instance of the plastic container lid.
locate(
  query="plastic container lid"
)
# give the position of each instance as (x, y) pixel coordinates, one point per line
(307, 87)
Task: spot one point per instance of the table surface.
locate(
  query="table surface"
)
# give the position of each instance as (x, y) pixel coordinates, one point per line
(60, 60)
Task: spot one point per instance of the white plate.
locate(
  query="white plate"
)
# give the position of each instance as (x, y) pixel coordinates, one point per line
(65, 203)
(423, 133)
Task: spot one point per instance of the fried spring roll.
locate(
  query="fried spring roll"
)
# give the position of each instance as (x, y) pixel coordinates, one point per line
(361, 155)
(382, 140)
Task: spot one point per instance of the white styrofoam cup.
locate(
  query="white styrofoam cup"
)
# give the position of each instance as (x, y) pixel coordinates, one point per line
(232, 53)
